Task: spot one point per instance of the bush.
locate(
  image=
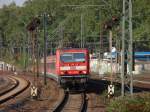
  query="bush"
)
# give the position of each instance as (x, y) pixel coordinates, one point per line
(139, 103)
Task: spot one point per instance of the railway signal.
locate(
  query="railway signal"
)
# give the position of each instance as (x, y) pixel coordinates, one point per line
(32, 28)
(33, 24)
(111, 90)
(34, 92)
(108, 25)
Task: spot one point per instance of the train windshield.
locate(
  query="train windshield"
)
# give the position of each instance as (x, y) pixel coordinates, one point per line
(72, 57)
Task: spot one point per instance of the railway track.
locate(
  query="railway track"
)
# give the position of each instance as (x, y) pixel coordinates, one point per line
(19, 85)
(13, 83)
(72, 103)
(3, 81)
(5, 84)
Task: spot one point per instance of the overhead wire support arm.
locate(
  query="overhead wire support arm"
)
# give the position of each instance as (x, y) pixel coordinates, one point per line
(82, 43)
(105, 3)
(83, 5)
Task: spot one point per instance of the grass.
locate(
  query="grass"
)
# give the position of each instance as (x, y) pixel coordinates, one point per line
(137, 103)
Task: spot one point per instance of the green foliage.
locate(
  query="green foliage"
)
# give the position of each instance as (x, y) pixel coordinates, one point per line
(139, 103)
(14, 20)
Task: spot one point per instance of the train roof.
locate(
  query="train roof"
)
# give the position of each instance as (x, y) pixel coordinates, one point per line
(142, 53)
(73, 49)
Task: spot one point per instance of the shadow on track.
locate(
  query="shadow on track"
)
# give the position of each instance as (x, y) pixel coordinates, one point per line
(96, 86)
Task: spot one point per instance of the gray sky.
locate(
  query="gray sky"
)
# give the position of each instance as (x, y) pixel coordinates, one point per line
(6, 2)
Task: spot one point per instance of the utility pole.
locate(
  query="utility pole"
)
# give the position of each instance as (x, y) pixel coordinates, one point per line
(32, 26)
(1, 44)
(130, 48)
(45, 44)
(123, 51)
(37, 52)
(28, 51)
(110, 49)
(33, 53)
(127, 44)
(24, 50)
(24, 56)
(51, 48)
(61, 35)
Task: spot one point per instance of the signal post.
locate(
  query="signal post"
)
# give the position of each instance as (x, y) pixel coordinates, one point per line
(32, 28)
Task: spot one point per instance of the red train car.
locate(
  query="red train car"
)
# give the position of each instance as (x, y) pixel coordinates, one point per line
(70, 66)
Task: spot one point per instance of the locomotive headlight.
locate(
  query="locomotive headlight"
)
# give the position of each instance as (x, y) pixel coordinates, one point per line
(62, 73)
(80, 67)
(65, 68)
(84, 72)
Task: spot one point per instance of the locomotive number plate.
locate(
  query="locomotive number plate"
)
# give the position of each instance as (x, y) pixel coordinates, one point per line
(73, 67)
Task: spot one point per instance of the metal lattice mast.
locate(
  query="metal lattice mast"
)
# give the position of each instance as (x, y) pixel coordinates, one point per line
(127, 44)
(1, 44)
(81, 30)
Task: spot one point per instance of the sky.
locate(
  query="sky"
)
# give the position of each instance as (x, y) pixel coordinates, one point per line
(6, 2)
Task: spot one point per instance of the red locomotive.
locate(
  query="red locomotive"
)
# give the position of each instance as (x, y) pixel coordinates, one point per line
(70, 66)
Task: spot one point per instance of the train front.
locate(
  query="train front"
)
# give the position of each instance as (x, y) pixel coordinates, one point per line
(73, 67)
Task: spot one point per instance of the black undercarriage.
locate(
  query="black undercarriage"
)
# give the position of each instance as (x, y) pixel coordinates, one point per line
(73, 83)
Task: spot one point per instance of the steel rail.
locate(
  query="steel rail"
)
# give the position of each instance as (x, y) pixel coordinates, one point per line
(5, 86)
(62, 103)
(16, 83)
(3, 100)
(3, 82)
(84, 103)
